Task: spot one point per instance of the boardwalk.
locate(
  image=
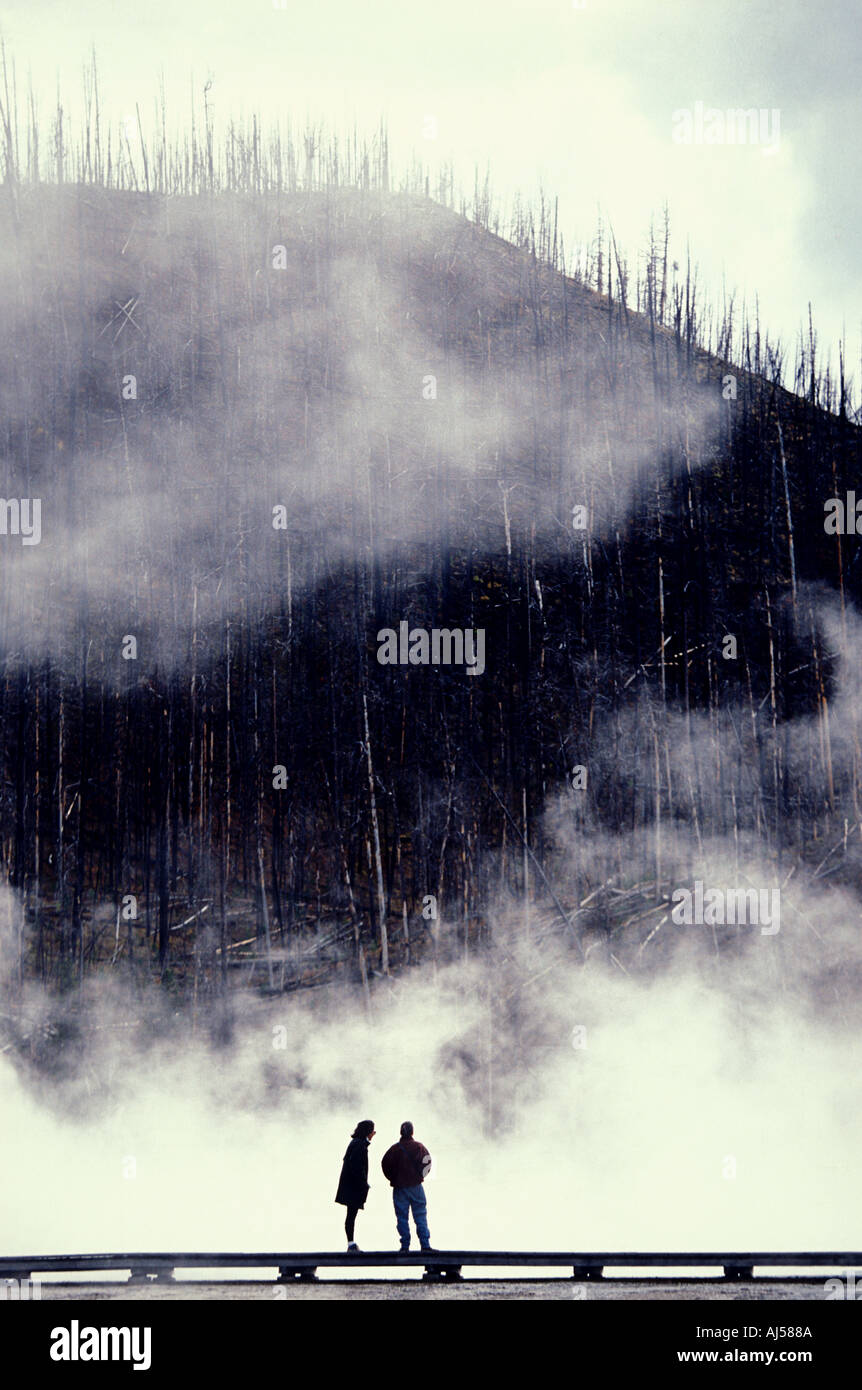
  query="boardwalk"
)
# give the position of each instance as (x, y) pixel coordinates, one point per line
(464, 1274)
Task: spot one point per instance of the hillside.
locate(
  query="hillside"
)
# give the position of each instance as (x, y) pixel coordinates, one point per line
(263, 429)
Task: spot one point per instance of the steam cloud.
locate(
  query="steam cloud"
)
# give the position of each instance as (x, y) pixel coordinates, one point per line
(715, 1103)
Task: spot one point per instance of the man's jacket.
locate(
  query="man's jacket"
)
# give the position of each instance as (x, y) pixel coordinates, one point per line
(406, 1163)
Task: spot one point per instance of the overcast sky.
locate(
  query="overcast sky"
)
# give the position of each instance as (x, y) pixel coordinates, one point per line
(579, 99)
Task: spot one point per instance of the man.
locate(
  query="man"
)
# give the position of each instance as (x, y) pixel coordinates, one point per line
(406, 1165)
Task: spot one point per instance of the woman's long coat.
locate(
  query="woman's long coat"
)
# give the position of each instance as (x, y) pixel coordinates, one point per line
(353, 1183)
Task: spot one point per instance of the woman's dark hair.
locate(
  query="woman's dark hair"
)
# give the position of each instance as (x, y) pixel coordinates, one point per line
(363, 1129)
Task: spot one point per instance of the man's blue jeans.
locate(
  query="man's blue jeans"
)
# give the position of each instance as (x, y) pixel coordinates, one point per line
(404, 1199)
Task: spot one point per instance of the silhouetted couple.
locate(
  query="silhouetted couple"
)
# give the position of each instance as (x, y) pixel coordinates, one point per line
(406, 1165)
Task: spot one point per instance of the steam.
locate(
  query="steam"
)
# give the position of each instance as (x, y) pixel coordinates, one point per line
(697, 1115)
(360, 388)
(684, 1087)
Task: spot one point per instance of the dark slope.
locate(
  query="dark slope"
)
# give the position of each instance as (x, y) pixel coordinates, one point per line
(308, 386)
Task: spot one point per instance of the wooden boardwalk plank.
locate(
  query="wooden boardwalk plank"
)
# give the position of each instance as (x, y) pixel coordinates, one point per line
(143, 1263)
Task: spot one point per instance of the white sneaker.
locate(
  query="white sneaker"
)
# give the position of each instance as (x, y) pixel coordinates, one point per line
(353, 1248)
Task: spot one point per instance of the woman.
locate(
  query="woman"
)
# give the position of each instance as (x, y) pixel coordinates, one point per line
(353, 1183)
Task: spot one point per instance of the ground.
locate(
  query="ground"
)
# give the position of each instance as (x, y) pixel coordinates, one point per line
(609, 1289)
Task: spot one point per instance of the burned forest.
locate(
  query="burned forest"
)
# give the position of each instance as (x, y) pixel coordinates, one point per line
(267, 405)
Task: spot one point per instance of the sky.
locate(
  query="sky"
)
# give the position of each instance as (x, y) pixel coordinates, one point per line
(578, 98)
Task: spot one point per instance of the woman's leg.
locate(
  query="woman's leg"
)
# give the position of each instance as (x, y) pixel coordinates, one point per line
(350, 1223)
